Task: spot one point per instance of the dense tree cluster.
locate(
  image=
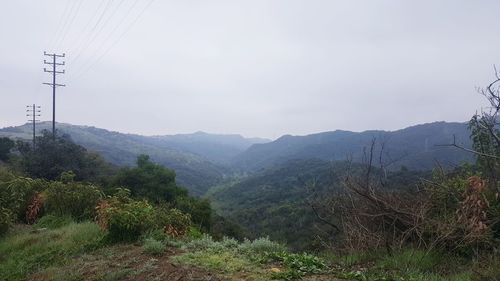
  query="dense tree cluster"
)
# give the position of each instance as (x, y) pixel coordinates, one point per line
(53, 156)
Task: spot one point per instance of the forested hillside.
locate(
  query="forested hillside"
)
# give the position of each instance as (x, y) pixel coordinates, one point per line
(415, 147)
(275, 202)
(195, 158)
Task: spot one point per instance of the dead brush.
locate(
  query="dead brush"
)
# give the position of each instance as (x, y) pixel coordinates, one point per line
(102, 217)
(34, 209)
(473, 211)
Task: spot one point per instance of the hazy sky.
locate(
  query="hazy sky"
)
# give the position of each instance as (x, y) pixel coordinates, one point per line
(257, 67)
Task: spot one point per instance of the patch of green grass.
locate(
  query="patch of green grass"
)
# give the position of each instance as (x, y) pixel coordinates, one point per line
(153, 247)
(53, 222)
(351, 259)
(116, 275)
(56, 274)
(28, 252)
(231, 257)
(412, 260)
(296, 265)
(409, 275)
(224, 262)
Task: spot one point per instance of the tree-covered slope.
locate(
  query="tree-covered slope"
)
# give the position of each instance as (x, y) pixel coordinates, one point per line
(273, 202)
(415, 147)
(188, 155)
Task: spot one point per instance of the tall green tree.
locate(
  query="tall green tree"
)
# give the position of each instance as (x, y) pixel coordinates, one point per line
(6, 145)
(151, 181)
(157, 184)
(53, 156)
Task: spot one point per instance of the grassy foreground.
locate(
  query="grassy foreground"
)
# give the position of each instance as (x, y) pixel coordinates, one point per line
(79, 251)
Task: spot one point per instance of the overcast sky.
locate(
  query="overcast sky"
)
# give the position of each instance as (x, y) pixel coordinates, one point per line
(258, 67)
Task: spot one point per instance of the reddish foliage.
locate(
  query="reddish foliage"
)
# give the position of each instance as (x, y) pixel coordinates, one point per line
(34, 209)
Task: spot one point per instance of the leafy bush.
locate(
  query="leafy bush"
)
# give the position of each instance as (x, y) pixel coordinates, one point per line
(174, 222)
(53, 222)
(150, 181)
(297, 265)
(261, 246)
(194, 233)
(74, 199)
(153, 247)
(6, 218)
(124, 218)
(204, 243)
(16, 193)
(199, 209)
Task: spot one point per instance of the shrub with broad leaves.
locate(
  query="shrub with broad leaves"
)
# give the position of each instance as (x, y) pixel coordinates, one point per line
(124, 218)
(174, 222)
(75, 199)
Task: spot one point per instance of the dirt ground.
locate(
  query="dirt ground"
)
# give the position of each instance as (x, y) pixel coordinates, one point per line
(126, 262)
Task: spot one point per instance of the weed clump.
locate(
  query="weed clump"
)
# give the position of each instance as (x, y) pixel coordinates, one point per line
(153, 247)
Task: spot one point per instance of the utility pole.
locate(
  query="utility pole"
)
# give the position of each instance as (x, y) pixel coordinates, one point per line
(54, 73)
(34, 112)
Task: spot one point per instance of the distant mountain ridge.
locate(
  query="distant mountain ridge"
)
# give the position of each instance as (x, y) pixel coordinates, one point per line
(415, 147)
(215, 147)
(194, 160)
(202, 160)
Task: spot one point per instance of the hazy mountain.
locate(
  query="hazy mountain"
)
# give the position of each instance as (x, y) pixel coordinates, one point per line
(215, 147)
(415, 147)
(201, 160)
(192, 156)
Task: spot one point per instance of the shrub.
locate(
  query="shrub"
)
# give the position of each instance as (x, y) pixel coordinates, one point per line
(174, 222)
(74, 199)
(6, 218)
(204, 243)
(194, 233)
(153, 247)
(156, 234)
(199, 209)
(35, 208)
(411, 259)
(297, 265)
(53, 222)
(17, 192)
(260, 246)
(125, 219)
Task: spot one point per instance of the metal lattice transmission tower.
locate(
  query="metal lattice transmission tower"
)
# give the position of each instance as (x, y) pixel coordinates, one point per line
(33, 111)
(53, 84)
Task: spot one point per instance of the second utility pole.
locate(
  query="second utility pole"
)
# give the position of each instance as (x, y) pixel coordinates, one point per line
(34, 113)
(54, 72)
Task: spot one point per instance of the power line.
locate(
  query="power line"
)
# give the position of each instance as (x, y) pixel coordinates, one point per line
(96, 35)
(86, 30)
(54, 85)
(59, 25)
(110, 35)
(85, 46)
(71, 22)
(117, 40)
(64, 24)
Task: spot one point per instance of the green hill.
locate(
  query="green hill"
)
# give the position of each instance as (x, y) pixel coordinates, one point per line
(414, 147)
(194, 157)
